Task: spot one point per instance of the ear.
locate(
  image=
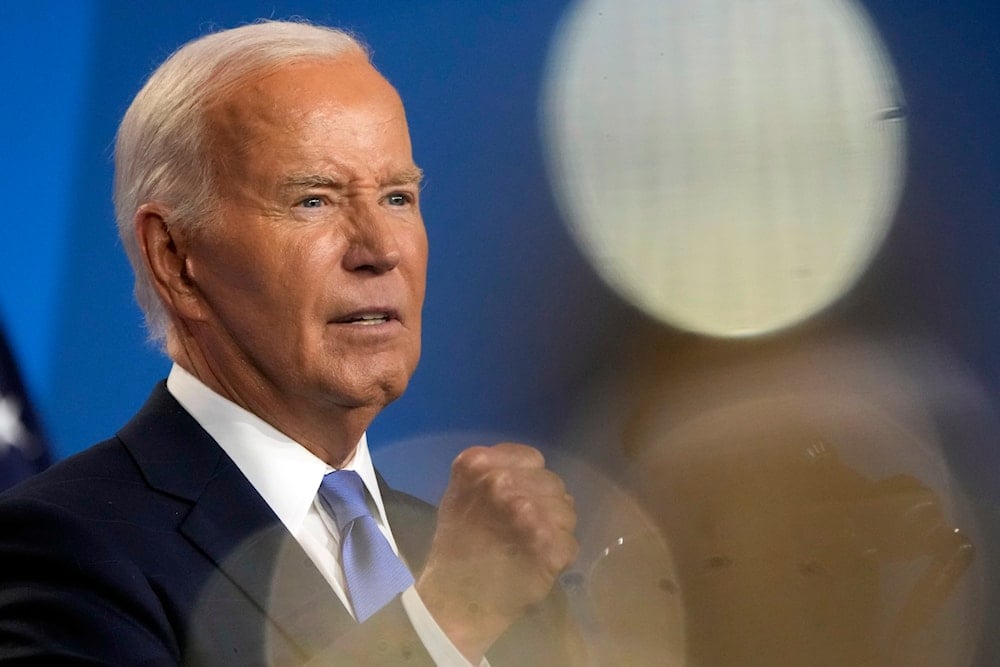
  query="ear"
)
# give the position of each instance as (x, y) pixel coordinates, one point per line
(165, 253)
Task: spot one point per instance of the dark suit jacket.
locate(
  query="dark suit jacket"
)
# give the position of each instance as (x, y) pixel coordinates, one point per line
(152, 548)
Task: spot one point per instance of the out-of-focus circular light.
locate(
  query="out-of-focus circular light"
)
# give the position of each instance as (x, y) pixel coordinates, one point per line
(729, 166)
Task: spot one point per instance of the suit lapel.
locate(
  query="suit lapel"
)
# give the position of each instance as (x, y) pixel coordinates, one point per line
(232, 525)
(412, 522)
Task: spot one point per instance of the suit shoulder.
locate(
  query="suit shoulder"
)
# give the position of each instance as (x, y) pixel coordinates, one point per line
(97, 469)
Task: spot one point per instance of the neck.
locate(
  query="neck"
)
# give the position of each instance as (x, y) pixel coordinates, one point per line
(330, 432)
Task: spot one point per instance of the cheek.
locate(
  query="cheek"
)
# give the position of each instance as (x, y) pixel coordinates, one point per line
(239, 250)
(293, 271)
(224, 274)
(263, 282)
(418, 260)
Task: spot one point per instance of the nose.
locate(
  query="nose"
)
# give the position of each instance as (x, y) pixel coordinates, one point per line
(372, 243)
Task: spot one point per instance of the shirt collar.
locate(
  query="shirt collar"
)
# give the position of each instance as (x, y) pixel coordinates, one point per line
(285, 474)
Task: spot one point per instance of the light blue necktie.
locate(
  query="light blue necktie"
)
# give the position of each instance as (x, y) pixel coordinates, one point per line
(373, 572)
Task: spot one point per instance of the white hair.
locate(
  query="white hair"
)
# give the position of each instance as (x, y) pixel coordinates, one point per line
(163, 152)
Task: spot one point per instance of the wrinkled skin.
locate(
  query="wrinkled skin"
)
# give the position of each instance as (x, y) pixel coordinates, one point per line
(302, 304)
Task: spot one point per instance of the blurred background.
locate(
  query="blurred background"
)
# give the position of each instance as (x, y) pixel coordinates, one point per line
(732, 263)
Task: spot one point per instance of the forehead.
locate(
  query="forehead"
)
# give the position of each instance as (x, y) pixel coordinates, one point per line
(314, 109)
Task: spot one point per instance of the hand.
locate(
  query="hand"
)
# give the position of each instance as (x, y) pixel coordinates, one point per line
(504, 534)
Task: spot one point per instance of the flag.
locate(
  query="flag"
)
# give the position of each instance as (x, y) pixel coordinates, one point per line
(23, 447)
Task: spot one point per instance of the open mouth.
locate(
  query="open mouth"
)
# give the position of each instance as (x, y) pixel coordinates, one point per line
(367, 319)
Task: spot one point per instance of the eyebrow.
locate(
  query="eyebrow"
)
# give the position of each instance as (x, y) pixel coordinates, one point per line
(310, 181)
(409, 176)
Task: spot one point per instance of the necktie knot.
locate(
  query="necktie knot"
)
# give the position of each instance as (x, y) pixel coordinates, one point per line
(344, 493)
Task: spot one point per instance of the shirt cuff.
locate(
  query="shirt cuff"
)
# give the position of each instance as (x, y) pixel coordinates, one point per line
(440, 648)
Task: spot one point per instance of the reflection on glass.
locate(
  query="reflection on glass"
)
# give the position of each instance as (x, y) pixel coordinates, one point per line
(623, 590)
(783, 555)
(633, 589)
(801, 492)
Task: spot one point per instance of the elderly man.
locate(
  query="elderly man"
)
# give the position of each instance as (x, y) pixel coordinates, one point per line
(269, 203)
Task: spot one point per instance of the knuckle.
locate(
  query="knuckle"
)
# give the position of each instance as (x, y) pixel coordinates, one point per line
(524, 511)
(532, 456)
(565, 551)
(542, 538)
(555, 487)
(499, 484)
(470, 461)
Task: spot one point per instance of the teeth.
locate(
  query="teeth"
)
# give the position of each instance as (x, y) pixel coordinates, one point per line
(370, 319)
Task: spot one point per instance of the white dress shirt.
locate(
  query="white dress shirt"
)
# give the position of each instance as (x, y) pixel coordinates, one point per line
(288, 476)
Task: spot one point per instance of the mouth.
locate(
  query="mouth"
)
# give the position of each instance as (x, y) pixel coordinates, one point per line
(368, 318)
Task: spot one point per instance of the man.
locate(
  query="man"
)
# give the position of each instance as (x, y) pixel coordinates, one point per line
(267, 198)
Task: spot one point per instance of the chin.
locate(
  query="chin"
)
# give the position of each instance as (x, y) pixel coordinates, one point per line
(373, 382)
(393, 390)
(374, 392)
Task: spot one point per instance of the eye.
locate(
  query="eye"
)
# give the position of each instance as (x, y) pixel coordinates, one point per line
(399, 199)
(311, 202)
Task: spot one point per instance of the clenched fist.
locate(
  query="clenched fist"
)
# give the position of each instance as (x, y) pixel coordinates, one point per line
(504, 534)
